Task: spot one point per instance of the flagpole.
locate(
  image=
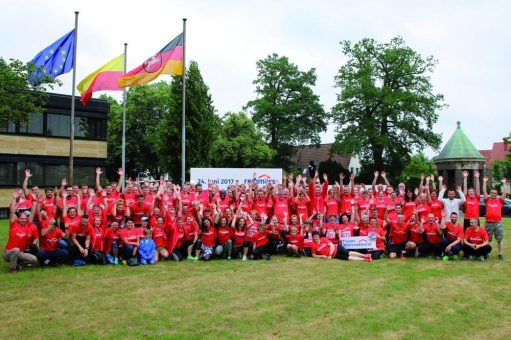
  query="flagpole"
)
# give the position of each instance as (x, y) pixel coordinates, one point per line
(183, 129)
(123, 164)
(72, 125)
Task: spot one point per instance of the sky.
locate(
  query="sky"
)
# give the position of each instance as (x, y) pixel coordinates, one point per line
(226, 38)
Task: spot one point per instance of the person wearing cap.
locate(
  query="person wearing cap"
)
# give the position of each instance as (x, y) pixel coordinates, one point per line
(22, 234)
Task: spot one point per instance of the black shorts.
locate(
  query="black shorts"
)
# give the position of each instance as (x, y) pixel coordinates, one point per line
(397, 248)
(342, 253)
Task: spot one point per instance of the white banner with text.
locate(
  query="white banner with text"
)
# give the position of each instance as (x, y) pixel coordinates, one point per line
(227, 176)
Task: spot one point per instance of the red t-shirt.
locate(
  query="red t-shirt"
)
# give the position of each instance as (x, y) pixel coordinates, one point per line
(423, 209)
(476, 237)
(239, 237)
(80, 230)
(252, 230)
(208, 237)
(493, 209)
(415, 235)
(323, 247)
(48, 205)
(408, 208)
(138, 211)
(398, 233)
(130, 235)
(346, 204)
(21, 236)
(330, 232)
(49, 242)
(110, 236)
(260, 238)
(472, 206)
(436, 208)
(223, 234)
(159, 237)
(98, 239)
(332, 207)
(452, 232)
(296, 240)
(73, 222)
(347, 230)
(431, 231)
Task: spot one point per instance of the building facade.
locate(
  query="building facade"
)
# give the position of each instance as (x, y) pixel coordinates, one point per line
(42, 146)
(459, 154)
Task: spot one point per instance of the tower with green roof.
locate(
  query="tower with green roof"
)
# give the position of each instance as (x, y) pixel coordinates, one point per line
(459, 154)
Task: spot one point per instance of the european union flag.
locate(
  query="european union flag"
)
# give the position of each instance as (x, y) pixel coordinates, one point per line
(55, 59)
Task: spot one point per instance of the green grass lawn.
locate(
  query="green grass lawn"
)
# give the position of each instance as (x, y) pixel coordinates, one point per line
(282, 298)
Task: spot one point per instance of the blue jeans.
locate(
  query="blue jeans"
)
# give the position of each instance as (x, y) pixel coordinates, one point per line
(52, 257)
(127, 251)
(455, 250)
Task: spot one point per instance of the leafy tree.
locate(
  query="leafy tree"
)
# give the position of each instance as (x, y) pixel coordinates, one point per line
(239, 144)
(146, 106)
(386, 108)
(202, 125)
(286, 109)
(332, 168)
(19, 97)
(418, 164)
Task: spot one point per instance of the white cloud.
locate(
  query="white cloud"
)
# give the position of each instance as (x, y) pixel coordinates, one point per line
(226, 38)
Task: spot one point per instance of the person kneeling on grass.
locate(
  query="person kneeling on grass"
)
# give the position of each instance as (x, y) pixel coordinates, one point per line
(147, 248)
(53, 250)
(294, 244)
(476, 242)
(454, 234)
(22, 234)
(261, 243)
(80, 236)
(129, 241)
(208, 235)
(324, 249)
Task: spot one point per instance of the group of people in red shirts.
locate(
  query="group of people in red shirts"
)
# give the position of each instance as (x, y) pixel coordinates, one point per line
(154, 221)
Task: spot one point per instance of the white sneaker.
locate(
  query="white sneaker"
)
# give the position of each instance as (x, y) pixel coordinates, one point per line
(244, 258)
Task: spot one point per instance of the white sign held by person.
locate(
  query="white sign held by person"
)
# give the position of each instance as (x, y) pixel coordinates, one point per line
(359, 242)
(227, 176)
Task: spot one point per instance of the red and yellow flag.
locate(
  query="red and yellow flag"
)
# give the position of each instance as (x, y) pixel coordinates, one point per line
(104, 78)
(168, 61)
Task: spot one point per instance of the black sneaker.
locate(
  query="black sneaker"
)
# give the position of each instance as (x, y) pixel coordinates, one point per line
(501, 257)
(268, 257)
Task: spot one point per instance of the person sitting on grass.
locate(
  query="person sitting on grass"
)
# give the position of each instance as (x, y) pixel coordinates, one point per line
(97, 253)
(160, 239)
(435, 244)
(130, 237)
(261, 243)
(112, 240)
(205, 247)
(80, 237)
(476, 244)
(324, 249)
(147, 249)
(22, 234)
(454, 234)
(294, 242)
(52, 250)
(398, 235)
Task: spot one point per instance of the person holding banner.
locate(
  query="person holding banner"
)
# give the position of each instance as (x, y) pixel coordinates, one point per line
(322, 248)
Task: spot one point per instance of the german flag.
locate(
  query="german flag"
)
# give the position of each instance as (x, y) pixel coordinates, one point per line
(168, 61)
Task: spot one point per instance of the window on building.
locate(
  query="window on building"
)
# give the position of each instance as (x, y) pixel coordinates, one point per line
(7, 127)
(57, 125)
(92, 128)
(8, 173)
(37, 173)
(53, 174)
(35, 125)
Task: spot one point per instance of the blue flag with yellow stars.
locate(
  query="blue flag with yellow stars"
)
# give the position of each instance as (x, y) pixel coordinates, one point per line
(55, 59)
